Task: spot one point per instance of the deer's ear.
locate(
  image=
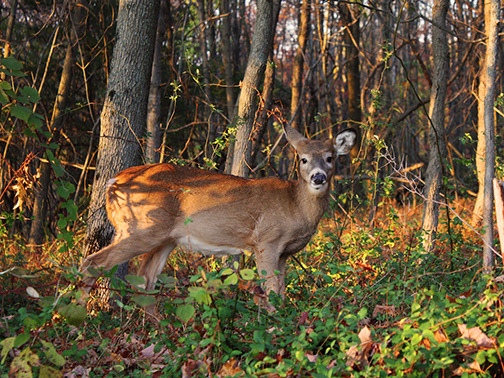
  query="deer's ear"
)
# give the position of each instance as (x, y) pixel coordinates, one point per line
(294, 137)
(344, 141)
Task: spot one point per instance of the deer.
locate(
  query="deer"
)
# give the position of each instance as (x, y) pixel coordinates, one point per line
(155, 208)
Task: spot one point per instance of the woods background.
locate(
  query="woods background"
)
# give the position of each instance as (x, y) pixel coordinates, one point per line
(388, 286)
(331, 65)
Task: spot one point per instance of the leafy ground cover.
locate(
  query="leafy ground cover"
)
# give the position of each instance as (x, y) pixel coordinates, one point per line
(361, 302)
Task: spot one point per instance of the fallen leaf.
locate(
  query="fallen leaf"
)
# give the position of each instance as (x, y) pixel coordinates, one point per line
(358, 354)
(473, 367)
(440, 336)
(384, 310)
(365, 338)
(230, 369)
(311, 357)
(477, 335)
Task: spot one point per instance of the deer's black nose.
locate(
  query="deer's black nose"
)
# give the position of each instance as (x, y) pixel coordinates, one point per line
(319, 178)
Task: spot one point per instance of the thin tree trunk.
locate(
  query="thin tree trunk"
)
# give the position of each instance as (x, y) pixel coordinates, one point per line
(226, 57)
(299, 61)
(261, 46)
(351, 38)
(437, 142)
(489, 76)
(154, 104)
(205, 39)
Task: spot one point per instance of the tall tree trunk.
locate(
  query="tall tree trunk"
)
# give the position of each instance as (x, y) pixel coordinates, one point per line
(123, 118)
(437, 142)
(351, 38)
(204, 40)
(266, 95)
(483, 91)
(488, 77)
(226, 57)
(154, 104)
(298, 65)
(262, 42)
(40, 204)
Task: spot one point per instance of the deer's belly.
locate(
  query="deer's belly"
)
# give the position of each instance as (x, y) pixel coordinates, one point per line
(193, 244)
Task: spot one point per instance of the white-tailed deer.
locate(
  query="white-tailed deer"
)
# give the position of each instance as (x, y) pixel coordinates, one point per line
(155, 208)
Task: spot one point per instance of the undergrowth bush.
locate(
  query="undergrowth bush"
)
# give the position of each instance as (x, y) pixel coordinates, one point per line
(360, 302)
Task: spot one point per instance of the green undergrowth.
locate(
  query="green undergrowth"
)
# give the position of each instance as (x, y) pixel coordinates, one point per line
(359, 303)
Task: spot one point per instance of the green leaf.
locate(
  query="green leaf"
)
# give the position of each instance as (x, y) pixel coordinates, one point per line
(62, 223)
(227, 272)
(200, 295)
(416, 339)
(5, 85)
(51, 354)
(11, 63)
(65, 189)
(144, 300)
(185, 312)
(31, 94)
(135, 280)
(247, 274)
(72, 209)
(21, 339)
(168, 281)
(21, 112)
(231, 280)
(4, 99)
(22, 364)
(7, 344)
(34, 122)
(73, 313)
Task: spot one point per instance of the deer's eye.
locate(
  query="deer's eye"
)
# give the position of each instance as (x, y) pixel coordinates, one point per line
(329, 159)
(304, 161)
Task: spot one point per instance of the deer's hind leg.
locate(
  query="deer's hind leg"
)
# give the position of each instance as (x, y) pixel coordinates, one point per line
(153, 263)
(120, 251)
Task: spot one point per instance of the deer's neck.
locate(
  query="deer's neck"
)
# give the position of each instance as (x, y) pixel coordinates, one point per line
(313, 205)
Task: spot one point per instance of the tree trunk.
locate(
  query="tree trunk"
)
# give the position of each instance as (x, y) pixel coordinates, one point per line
(437, 143)
(489, 77)
(298, 65)
(204, 40)
(40, 204)
(124, 113)
(351, 38)
(154, 104)
(226, 57)
(262, 42)
(484, 86)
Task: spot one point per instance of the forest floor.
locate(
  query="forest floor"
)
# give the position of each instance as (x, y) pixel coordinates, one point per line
(362, 300)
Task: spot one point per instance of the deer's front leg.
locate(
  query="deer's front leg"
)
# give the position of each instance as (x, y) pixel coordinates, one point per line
(268, 262)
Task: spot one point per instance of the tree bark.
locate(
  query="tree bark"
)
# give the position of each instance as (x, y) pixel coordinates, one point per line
(489, 77)
(226, 57)
(351, 38)
(123, 118)
(205, 40)
(154, 104)
(437, 142)
(484, 86)
(262, 42)
(299, 61)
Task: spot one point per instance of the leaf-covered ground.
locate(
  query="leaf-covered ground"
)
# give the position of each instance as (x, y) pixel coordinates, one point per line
(360, 302)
